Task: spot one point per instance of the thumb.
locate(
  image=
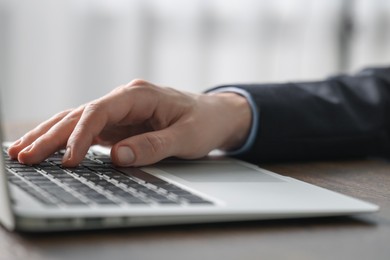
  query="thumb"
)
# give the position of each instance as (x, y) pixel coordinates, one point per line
(143, 149)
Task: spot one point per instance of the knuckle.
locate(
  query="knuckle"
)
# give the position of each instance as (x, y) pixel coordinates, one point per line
(141, 91)
(93, 107)
(138, 82)
(133, 87)
(156, 143)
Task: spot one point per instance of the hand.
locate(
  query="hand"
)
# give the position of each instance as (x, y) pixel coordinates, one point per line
(143, 123)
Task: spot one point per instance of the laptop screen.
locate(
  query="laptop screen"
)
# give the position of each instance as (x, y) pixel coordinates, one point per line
(6, 215)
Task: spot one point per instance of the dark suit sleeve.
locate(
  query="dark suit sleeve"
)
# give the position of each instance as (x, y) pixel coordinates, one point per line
(343, 116)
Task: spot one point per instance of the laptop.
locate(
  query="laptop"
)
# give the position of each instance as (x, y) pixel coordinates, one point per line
(98, 195)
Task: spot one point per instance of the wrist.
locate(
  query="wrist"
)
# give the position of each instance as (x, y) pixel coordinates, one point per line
(236, 119)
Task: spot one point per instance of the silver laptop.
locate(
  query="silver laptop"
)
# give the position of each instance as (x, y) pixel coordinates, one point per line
(96, 195)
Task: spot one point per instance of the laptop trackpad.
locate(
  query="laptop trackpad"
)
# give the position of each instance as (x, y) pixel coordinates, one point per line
(216, 172)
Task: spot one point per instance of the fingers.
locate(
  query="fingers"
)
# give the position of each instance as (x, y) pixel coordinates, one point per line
(51, 141)
(74, 129)
(31, 136)
(144, 149)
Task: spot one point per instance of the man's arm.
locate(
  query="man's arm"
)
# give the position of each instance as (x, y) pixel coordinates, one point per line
(343, 116)
(144, 123)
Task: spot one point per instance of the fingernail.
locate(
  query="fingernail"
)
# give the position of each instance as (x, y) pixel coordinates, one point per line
(67, 155)
(125, 155)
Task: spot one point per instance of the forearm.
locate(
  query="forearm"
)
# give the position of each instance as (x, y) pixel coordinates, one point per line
(338, 117)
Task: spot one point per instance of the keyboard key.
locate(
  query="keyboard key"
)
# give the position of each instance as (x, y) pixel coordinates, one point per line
(23, 174)
(128, 182)
(103, 183)
(95, 180)
(79, 169)
(43, 165)
(90, 164)
(52, 167)
(102, 158)
(34, 177)
(130, 198)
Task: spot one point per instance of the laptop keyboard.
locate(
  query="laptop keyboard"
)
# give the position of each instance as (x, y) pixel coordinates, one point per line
(96, 181)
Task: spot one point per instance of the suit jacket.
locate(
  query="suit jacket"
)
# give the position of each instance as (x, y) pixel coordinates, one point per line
(343, 116)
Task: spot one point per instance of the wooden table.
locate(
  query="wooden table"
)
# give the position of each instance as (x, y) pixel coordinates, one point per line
(358, 237)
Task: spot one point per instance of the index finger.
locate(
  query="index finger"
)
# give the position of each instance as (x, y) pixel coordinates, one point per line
(126, 102)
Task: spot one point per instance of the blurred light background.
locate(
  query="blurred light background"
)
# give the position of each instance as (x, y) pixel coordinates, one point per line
(59, 54)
